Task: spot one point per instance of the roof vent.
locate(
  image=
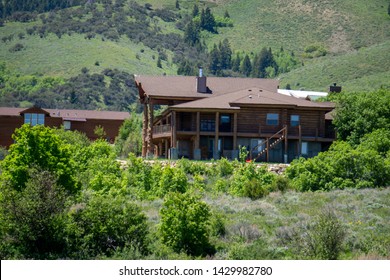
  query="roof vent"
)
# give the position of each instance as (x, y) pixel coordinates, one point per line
(335, 88)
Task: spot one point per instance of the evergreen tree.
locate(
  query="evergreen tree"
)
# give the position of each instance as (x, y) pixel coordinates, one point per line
(192, 33)
(225, 54)
(388, 10)
(159, 65)
(215, 65)
(246, 66)
(195, 11)
(236, 63)
(261, 62)
(177, 5)
(226, 15)
(207, 20)
(1, 9)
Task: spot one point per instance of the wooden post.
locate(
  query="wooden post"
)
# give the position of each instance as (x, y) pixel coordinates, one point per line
(150, 131)
(173, 130)
(268, 139)
(144, 130)
(166, 148)
(235, 131)
(197, 138)
(216, 135)
(299, 140)
(286, 144)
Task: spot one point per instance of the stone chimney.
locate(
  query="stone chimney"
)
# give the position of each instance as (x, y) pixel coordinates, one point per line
(201, 82)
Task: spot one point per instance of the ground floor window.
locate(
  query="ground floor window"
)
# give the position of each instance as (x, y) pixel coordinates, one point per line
(304, 148)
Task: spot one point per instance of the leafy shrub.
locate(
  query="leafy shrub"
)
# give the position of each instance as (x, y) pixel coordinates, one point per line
(251, 181)
(313, 51)
(281, 183)
(326, 237)
(17, 47)
(192, 167)
(185, 223)
(358, 114)
(172, 180)
(32, 219)
(104, 224)
(38, 146)
(340, 167)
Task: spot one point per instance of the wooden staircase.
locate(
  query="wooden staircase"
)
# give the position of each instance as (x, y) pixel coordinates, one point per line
(268, 145)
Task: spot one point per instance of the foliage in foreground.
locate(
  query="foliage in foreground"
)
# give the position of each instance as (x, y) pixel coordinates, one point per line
(185, 224)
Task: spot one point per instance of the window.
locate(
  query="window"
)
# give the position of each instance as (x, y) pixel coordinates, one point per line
(67, 125)
(225, 123)
(207, 125)
(304, 150)
(272, 119)
(34, 119)
(294, 121)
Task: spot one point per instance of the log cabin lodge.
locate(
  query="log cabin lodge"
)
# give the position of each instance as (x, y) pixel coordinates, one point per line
(84, 121)
(212, 117)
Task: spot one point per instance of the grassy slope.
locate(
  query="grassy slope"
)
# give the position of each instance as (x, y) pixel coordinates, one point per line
(363, 213)
(341, 26)
(366, 69)
(66, 56)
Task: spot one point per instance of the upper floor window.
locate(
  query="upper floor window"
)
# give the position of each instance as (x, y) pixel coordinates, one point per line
(34, 119)
(272, 119)
(225, 124)
(294, 121)
(207, 125)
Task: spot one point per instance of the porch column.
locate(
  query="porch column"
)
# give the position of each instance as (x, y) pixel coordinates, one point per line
(299, 140)
(286, 145)
(173, 150)
(150, 145)
(235, 152)
(144, 130)
(216, 154)
(197, 152)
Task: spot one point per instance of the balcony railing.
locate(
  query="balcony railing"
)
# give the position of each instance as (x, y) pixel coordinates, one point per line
(159, 129)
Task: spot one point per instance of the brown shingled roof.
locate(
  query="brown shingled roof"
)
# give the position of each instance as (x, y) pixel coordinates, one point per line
(185, 86)
(251, 97)
(66, 113)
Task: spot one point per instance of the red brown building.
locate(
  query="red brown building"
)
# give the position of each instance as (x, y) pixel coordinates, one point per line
(213, 117)
(80, 120)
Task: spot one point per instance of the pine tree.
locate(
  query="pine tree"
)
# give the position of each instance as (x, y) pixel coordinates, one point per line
(236, 63)
(207, 20)
(246, 66)
(1, 9)
(159, 65)
(225, 54)
(226, 15)
(214, 64)
(195, 11)
(177, 5)
(192, 33)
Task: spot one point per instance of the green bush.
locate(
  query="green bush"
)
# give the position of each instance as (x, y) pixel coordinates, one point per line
(185, 224)
(38, 146)
(32, 219)
(102, 225)
(325, 239)
(172, 180)
(251, 181)
(340, 167)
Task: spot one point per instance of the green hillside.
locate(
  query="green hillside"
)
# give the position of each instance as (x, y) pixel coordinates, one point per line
(354, 35)
(365, 69)
(67, 55)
